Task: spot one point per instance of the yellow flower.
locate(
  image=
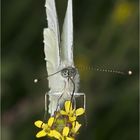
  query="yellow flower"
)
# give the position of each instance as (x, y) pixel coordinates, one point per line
(46, 128)
(75, 127)
(63, 125)
(64, 135)
(71, 113)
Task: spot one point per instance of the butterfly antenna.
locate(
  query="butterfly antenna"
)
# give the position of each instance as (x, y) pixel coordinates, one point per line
(72, 95)
(60, 97)
(40, 79)
(113, 71)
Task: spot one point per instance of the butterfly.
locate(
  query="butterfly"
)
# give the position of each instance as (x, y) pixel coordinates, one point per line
(63, 79)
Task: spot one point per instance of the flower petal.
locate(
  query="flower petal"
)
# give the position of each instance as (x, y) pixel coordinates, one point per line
(76, 126)
(68, 106)
(50, 134)
(65, 131)
(72, 111)
(72, 118)
(79, 111)
(39, 124)
(69, 138)
(50, 121)
(62, 112)
(41, 133)
(56, 134)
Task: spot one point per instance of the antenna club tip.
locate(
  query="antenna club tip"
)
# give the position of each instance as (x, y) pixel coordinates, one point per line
(129, 72)
(35, 80)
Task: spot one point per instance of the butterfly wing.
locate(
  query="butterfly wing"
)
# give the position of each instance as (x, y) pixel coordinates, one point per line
(51, 38)
(67, 42)
(52, 56)
(51, 43)
(52, 18)
(67, 37)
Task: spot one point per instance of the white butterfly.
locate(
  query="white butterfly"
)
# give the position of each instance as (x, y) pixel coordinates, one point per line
(59, 57)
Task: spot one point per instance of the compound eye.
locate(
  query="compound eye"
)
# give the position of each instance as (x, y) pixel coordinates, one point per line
(65, 73)
(72, 72)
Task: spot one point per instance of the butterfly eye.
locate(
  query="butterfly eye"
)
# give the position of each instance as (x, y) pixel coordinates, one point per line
(72, 72)
(68, 72)
(65, 72)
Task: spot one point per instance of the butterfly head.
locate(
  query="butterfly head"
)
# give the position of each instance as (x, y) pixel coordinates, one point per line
(68, 72)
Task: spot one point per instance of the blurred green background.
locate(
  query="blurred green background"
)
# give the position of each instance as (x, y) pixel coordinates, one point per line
(105, 36)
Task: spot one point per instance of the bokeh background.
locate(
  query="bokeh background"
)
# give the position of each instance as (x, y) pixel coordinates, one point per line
(105, 36)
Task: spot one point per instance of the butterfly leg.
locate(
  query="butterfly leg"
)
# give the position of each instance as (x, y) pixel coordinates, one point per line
(84, 98)
(63, 90)
(84, 105)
